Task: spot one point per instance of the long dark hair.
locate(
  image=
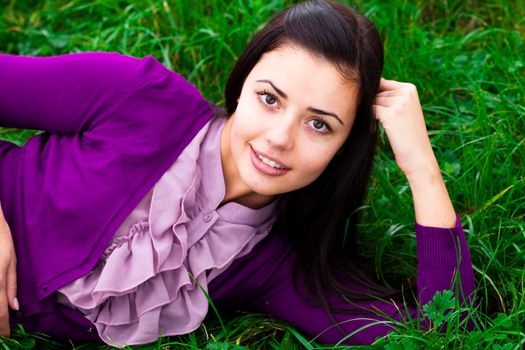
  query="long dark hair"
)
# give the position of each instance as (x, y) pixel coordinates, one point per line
(320, 219)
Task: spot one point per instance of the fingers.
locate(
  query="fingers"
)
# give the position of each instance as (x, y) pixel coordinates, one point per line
(12, 285)
(378, 112)
(385, 101)
(400, 97)
(4, 312)
(388, 93)
(392, 86)
(4, 295)
(387, 85)
(7, 275)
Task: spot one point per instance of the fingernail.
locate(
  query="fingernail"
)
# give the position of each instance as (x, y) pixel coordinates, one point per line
(15, 303)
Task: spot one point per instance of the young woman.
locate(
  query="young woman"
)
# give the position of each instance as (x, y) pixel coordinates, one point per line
(139, 193)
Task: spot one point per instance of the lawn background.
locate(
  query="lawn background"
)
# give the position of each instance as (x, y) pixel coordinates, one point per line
(467, 59)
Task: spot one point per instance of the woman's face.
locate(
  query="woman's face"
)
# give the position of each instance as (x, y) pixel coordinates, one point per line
(294, 113)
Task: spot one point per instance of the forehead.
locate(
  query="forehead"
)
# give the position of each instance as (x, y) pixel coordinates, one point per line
(307, 79)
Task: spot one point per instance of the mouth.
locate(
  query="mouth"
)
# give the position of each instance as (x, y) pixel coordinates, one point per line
(268, 165)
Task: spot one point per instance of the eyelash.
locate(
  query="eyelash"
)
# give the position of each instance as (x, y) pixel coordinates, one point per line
(325, 124)
(264, 93)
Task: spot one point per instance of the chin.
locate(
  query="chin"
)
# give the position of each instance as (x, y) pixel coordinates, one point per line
(273, 191)
(265, 191)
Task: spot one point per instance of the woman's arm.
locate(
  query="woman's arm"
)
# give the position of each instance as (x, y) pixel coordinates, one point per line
(263, 281)
(66, 94)
(398, 109)
(442, 247)
(61, 95)
(443, 263)
(113, 124)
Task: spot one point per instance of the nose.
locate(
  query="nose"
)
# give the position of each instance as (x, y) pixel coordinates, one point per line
(281, 133)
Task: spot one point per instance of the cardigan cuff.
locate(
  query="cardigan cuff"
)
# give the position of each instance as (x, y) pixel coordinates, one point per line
(439, 247)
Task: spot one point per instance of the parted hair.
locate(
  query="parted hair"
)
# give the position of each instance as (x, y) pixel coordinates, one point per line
(320, 219)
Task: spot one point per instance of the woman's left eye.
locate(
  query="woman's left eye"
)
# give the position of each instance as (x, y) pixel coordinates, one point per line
(320, 126)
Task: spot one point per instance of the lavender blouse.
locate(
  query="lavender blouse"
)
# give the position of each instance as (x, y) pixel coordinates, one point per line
(149, 280)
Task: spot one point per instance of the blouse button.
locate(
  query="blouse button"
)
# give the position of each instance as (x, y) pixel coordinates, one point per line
(207, 218)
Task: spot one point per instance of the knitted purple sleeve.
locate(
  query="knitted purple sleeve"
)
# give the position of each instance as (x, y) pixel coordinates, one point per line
(443, 262)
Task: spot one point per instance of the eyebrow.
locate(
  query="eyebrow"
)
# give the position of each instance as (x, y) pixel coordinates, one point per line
(311, 109)
(279, 91)
(320, 111)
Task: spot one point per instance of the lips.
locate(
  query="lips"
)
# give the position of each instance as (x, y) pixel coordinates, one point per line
(268, 165)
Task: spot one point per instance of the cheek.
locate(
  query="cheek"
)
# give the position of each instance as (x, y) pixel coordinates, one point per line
(240, 131)
(315, 162)
(247, 123)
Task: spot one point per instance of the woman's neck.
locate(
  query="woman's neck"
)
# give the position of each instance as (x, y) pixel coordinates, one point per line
(252, 200)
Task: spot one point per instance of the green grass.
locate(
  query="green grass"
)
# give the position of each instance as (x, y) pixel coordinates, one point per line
(467, 59)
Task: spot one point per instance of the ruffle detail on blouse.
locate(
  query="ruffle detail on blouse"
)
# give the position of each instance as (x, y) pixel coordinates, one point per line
(150, 283)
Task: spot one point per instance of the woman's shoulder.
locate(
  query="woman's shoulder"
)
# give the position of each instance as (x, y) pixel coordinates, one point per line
(138, 94)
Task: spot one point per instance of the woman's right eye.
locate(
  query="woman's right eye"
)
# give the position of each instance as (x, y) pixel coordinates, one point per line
(268, 99)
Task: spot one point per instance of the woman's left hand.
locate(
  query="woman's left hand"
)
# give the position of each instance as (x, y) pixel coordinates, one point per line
(398, 109)
(7, 276)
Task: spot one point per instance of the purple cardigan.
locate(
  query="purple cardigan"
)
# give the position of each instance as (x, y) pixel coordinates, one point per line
(113, 125)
